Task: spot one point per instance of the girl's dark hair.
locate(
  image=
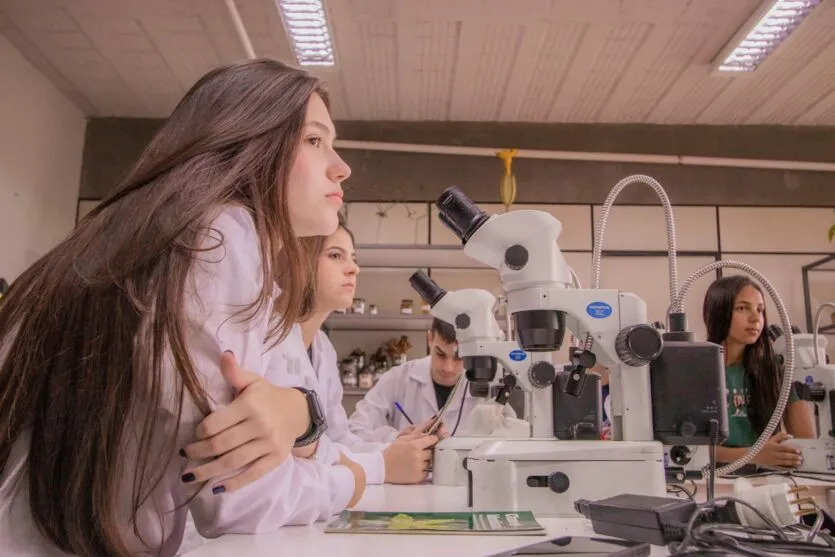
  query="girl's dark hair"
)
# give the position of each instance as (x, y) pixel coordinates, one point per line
(764, 373)
(313, 246)
(69, 323)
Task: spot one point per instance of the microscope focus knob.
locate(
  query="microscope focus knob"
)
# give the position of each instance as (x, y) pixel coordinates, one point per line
(558, 482)
(638, 345)
(542, 374)
(681, 455)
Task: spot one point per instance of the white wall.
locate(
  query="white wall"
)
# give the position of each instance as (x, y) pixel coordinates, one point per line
(41, 144)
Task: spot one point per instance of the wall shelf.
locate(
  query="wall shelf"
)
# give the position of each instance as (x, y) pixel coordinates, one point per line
(367, 322)
(415, 256)
(354, 391)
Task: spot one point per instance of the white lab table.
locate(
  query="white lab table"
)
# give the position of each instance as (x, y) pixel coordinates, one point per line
(311, 541)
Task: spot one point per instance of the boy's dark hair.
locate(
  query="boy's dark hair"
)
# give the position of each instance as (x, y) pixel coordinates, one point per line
(443, 330)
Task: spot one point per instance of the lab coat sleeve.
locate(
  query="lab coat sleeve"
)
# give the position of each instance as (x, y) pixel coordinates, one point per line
(372, 463)
(371, 418)
(226, 279)
(299, 491)
(327, 370)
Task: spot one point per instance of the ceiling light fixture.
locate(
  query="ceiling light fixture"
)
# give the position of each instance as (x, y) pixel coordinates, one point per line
(763, 33)
(307, 27)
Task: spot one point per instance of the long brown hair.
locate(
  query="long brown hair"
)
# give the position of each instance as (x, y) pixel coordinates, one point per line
(762, 369)
(70, 322)
(312, 247)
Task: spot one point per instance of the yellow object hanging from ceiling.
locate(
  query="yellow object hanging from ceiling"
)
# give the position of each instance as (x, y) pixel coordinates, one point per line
(507, 190)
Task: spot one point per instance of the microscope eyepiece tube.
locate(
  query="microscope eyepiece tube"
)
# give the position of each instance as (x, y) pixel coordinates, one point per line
(427, 288)
(459, 213)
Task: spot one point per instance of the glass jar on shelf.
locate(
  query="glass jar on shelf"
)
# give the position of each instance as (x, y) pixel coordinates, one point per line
(348, 368)
(365, 378)
(407, 307)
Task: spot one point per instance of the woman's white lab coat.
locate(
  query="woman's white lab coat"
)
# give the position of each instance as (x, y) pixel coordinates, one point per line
(326, 367)
(292, 367)
(225, 278)
(376, 418)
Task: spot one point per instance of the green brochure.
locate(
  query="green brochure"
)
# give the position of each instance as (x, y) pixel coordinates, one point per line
(521, 523)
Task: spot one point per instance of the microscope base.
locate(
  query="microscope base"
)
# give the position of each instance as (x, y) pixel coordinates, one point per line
(818, 454)
(548, 476)
(448, 459)
(449, 456)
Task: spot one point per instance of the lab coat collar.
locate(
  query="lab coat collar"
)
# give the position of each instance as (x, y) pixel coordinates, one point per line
(420, 370)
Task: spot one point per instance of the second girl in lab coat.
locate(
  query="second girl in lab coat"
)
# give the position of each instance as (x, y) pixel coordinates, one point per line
(306, 358)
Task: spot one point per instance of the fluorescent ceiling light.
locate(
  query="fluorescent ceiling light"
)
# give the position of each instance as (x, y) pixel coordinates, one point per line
(307, 26)
(764, 34)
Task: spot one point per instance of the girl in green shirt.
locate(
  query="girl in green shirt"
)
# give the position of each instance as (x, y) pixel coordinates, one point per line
(734, 313)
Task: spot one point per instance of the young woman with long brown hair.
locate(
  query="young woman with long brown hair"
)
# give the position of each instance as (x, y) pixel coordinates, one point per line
(735, 317)
(110, 344)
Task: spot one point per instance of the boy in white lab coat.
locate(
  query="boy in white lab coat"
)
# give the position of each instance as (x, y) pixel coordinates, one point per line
(420, 387)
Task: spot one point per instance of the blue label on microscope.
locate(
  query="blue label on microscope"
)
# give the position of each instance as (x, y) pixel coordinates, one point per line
(599, 310)
(518, 355)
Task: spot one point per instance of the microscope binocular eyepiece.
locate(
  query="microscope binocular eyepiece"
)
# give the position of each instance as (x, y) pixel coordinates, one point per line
(427, 288)
(459, 213)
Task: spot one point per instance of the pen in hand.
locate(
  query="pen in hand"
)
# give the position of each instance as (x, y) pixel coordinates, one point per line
(405, 415)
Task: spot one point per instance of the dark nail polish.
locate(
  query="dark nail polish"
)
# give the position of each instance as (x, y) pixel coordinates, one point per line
(183, 453)
(218, 489)
(189, 477)
(228, 352)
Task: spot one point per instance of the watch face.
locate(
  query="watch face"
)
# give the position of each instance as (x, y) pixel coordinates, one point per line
(316, 413)
(318, 423)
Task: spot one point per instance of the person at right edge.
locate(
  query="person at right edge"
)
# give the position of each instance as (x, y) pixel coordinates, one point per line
(734, 313)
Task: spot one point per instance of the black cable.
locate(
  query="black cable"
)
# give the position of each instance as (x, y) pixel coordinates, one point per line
(706, 537)
(711, 477)
(461, 411)
(828, 477)
(673, 488)
(824, 476)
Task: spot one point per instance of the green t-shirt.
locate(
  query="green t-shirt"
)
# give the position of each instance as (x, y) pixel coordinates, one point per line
(741, 432)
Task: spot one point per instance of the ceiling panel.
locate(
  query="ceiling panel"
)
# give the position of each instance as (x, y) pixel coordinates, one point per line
(484, 65)
(595, 61)
(613, 61)
(426, 68)
(543, 60)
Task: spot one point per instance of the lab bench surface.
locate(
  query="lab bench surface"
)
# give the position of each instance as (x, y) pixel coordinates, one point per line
(310, 540)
